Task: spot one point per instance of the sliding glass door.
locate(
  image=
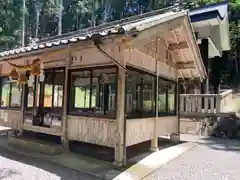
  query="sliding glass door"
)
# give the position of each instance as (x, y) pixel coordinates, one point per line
(44, 103)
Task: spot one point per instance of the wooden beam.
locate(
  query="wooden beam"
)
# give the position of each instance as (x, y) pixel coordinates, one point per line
(178, 46)
(195, 53)
(156, 31)
(189, 65)
(175, 36)
(181, 74)
(191, 74)
(177, 40)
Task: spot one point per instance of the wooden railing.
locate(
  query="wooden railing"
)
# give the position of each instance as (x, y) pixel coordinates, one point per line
(204, 105)
(227, 101)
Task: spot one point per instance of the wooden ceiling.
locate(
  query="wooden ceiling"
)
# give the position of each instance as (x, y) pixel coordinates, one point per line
(172, 48)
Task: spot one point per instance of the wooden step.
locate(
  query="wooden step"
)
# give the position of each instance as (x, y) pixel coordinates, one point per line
(35, 145)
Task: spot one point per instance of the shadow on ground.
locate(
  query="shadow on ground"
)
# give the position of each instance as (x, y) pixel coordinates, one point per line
(62, 172)
(221, 144)
(135, 154)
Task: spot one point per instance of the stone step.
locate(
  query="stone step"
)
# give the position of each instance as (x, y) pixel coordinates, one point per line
(35, 145)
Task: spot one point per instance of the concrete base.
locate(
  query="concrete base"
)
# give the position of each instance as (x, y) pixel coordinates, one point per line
(175, 138)
(118, 164)
(65, 144)
(154, 149)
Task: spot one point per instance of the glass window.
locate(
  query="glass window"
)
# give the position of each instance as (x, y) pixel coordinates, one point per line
(16, 94)
(166, 97)
(58, 90)
(162, 96)
(31, 95)
(11, 94)
(45, 101)
(148, 95)
(133, 94)
(5, 95)
(140, 94)
(81, 87)
(93, 92)
(48, 95)
(58, 96)
(171, 98)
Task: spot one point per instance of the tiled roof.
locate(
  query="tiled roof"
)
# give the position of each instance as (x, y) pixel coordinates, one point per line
(138, 23)
(220, 9)
(57, 42)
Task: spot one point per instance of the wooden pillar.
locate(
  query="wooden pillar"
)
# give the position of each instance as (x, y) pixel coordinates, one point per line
(177, 101)
(154, 141)
(24, 102)
(175, 137)
(204, 54)
(120, 147)
(64, 137)
(23, 107)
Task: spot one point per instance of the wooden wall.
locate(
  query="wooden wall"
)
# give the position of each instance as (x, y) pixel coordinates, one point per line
(89, 57)
(11, 118)
(83, 55)
(190, 126)
(92, 130)
(142, 61)
(167, 125)
(140, 130)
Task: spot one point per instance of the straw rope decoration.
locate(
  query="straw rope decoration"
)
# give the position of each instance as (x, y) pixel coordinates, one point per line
(19, 71)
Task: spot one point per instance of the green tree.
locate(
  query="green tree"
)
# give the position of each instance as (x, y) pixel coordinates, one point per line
(10, 23)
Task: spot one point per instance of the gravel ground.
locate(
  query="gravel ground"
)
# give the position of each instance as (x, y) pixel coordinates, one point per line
(214, 159)
(17, 167)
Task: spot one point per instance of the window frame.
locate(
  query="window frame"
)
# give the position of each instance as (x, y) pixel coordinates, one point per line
(169, 82)
(30, 110)
(10, 95)
(42, 88)
(142, 115)
(167, 113)
(70, 94)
